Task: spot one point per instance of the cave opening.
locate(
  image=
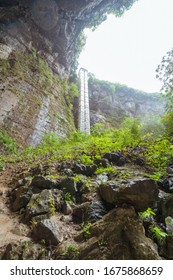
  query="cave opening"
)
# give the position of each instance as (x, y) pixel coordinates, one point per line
(129, 48)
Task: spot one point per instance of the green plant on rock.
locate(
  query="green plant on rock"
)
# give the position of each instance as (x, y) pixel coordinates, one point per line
(71, 252)
(51, 204)
(78, 178)
(25, 244)
(102, 242)
(85, 159)
(147, 215)
(71, 92)
(36, 202)
(67, 197)
(156, 175)
(108, 170)
(7, 143)
(159, 153)
(51, 176)
(158, 234)
(43, 242)
(86, 230)
(124, 175)
(4, 65)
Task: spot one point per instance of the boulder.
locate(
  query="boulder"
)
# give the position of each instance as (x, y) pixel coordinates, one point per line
(49, 231)
(103, 162)
(119, 235)
(66, 208)
(101, 178)
(141, 193)
(90, 169)
(68, 171)
(22, 197)
(79, 168)
(81, 212)
(116, 158)
(87, 170)
(68, 185)
(166, 184)
(169, 248)
(169, 225)
(25, 250)
(97, 210)
(45, 202)
(165, 204)
(41, 182)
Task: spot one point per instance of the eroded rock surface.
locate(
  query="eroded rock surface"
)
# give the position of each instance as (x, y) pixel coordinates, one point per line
(141, 193)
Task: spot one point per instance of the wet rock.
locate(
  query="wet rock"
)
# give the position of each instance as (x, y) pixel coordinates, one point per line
(87, 170)
(169, 248)
(104, 162)
(37, 170)
(166, 184)
(101, 178)
(169, 225)
(68, 185)
(118, 235)
(23, 182)
(79, 168)
(40, 182)
(81, 212)
(91, 211)
(141, 193)
(66, 208)
(25, 250)
(49, 231)
(48, 201)
(90, 169)
(116, 158)
(139, 161)
(68, 172)
(165, 204)
(22, 197)
(97, 211)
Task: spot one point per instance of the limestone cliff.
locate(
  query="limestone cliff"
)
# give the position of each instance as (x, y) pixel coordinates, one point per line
(111, 102)
(48, 31)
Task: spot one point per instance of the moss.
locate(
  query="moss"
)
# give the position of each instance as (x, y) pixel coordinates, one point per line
(29, 77)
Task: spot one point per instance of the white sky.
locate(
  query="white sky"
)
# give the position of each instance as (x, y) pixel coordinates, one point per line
(128, 49)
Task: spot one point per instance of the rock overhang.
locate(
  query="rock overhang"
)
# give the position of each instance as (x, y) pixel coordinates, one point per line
(53, 26)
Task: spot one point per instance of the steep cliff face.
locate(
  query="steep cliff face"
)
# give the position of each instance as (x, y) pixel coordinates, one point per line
(110, 103)
(33, 100)
(51, 26)
(50, 29)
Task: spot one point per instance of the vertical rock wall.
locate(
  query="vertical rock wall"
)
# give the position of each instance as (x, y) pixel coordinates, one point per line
(51, 27)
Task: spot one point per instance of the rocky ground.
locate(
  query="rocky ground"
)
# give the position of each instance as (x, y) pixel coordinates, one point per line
(67, 210)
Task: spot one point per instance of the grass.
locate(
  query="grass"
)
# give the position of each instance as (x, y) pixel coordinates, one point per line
(85, 149)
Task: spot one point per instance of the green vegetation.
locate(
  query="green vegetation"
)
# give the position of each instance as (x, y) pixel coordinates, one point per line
(117, 9)
(67, 197)
(108, 170)
(158, 234)
(51, 204)
(83, 148)
(147, 215)
(86, 230)
(116, 88)
(7, 143)
(71, 252)
(165, 74)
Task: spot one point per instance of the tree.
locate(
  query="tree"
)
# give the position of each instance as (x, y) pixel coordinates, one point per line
(165, 74)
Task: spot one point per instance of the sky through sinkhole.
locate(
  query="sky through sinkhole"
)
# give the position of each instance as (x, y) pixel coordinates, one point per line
(128, 49)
